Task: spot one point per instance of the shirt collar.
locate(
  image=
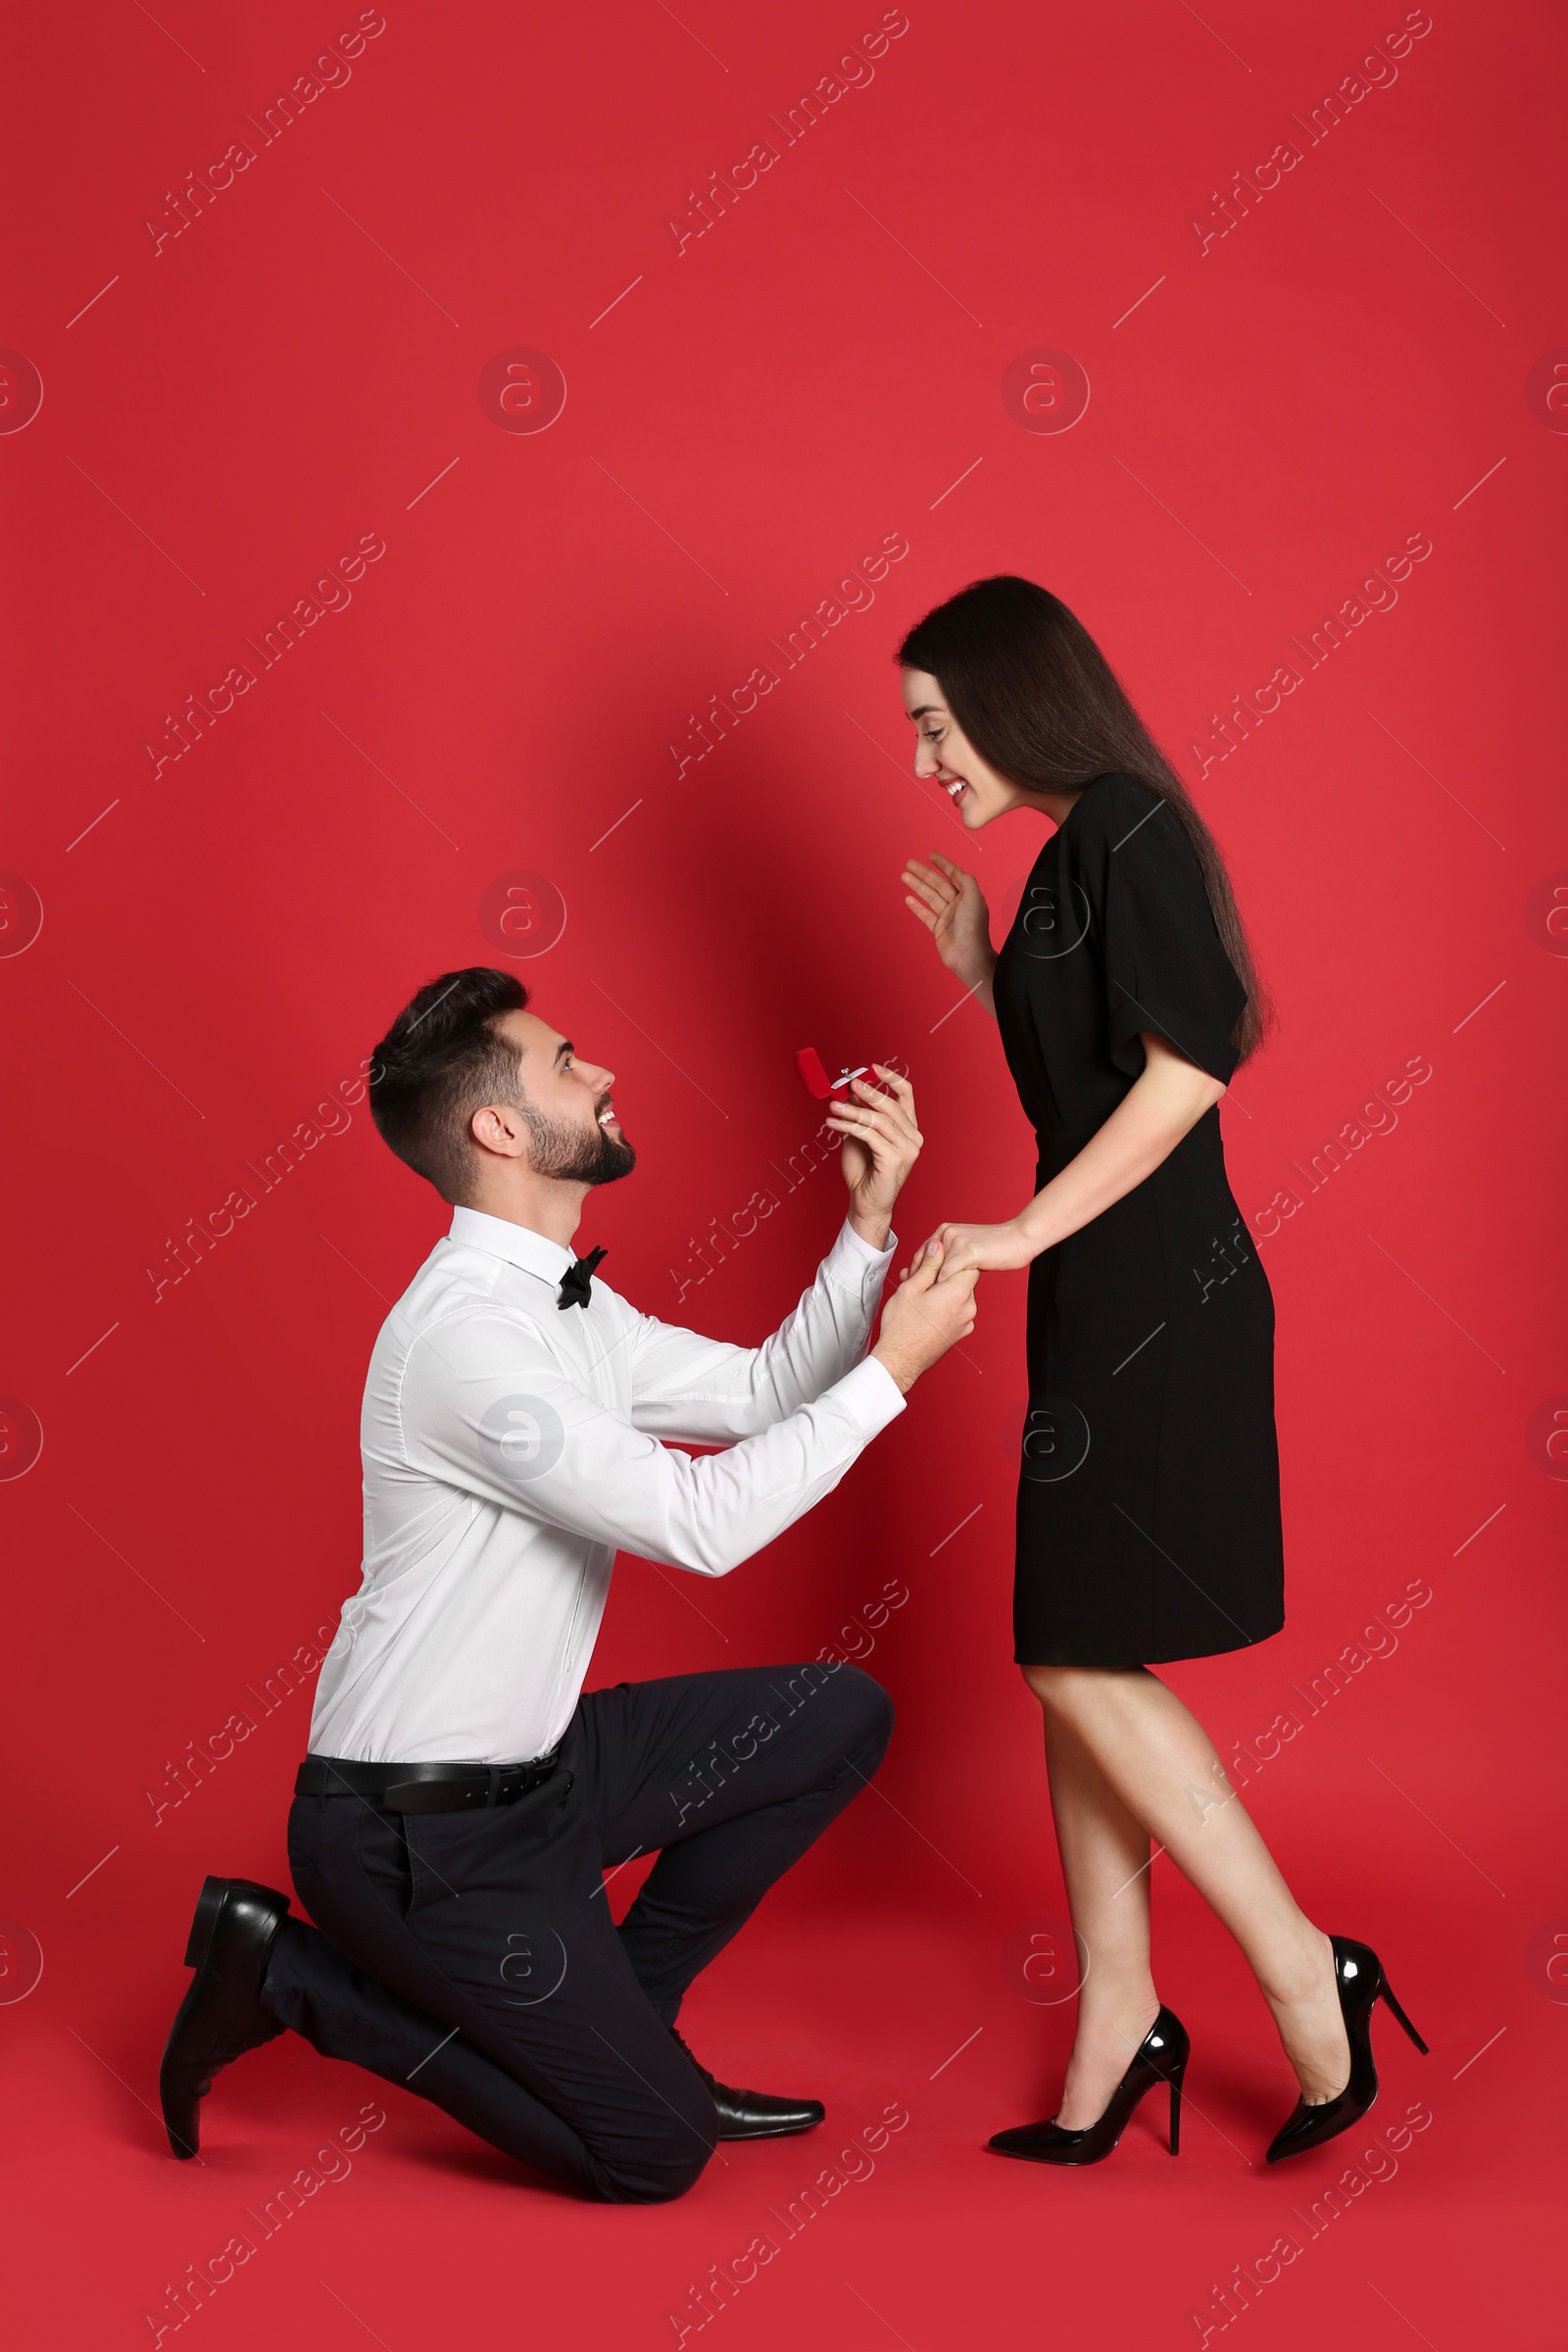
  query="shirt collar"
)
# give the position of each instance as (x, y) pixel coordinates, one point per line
(518, 1244)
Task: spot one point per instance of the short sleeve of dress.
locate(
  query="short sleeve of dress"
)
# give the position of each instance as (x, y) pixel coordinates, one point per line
(1165, 966)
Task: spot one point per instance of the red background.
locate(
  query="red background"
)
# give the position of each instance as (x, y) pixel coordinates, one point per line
(223, 941)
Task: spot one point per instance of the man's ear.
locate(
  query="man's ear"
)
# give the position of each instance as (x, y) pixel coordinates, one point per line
(497, 1129)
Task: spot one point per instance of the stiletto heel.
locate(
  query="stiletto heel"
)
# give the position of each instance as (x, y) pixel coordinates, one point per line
(1162, 2057)
(1388, 1996)
(1360, 1984)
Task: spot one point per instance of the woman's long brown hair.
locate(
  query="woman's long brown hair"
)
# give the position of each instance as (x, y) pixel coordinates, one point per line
(1037, 698)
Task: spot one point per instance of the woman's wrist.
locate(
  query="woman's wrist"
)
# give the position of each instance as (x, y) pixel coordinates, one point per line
(1034, 1228)
(975, 970)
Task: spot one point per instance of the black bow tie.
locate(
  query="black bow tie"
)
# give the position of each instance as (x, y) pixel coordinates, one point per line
(577, 1280)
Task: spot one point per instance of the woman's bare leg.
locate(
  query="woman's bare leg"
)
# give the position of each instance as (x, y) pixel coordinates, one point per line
(1104, 1860)
(1160, 1763)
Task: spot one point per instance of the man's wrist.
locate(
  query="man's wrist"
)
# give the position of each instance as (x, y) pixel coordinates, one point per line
(873, 1230)
(897, 1366)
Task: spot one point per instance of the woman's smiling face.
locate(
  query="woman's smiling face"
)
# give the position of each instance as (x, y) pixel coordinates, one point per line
(942, 750)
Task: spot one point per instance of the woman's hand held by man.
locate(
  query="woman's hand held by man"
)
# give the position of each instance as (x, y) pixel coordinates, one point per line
(961, 1250)
(922, 1320)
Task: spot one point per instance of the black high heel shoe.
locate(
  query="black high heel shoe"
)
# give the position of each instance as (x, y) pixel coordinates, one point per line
(1162, 2057)
(1361, 1983)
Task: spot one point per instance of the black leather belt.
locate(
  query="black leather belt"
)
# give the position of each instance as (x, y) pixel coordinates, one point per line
(423, 1787)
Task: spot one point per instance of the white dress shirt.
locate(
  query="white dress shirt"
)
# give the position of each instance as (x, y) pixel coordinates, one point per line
(511, 1446)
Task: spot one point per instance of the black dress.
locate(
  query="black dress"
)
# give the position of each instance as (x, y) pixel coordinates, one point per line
(1148, 1511)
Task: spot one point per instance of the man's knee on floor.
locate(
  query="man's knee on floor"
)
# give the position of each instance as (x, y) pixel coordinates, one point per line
(640, 2188)
(655, 2175)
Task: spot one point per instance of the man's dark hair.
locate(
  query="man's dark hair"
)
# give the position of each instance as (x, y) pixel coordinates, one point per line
(441, 1060)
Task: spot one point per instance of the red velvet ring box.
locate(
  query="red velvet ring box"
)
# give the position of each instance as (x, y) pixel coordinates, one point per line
(823, 1089)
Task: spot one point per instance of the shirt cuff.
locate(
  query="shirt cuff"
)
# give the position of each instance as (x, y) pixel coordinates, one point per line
(858, 1252)
(871, 1396)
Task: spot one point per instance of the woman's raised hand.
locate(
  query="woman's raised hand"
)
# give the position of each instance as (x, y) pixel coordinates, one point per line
(948, 902)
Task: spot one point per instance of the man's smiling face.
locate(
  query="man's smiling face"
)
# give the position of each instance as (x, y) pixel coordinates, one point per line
(567, 1104)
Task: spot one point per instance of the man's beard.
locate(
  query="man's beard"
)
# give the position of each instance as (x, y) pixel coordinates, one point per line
(572, 1156)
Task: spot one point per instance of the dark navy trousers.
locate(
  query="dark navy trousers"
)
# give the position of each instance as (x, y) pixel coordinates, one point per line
(472, 1956)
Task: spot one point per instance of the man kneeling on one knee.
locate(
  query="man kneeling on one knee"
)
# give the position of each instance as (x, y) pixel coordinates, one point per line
(462, 1798)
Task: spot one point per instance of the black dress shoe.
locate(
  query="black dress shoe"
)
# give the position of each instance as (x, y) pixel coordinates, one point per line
(221, 2015)
(1162, 2057)
(752, 2114)
(1360, 1984)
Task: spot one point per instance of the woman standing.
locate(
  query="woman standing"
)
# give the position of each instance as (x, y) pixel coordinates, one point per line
(1148, 1520)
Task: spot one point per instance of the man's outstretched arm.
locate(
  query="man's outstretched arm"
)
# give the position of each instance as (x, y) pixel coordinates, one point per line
(487, 1408)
